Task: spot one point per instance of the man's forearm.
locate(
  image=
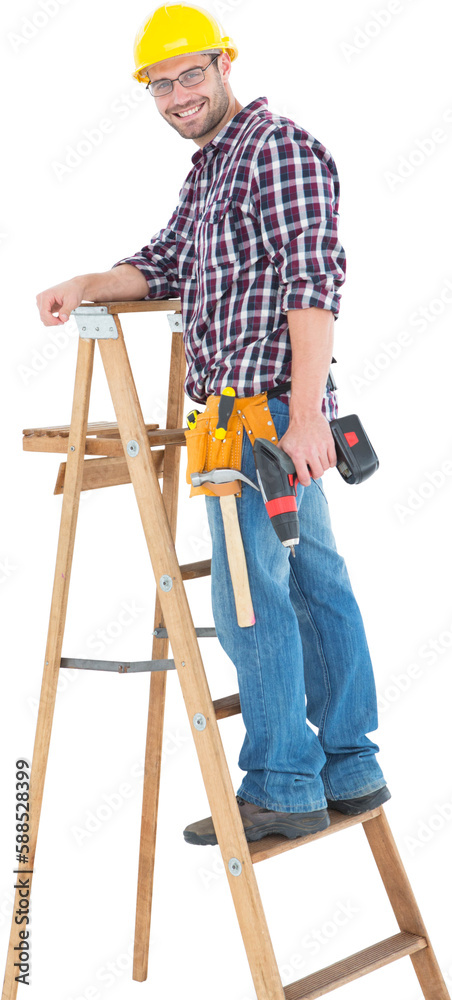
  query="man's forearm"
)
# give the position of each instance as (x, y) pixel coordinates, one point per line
(311, 338)
(123, 282)
(119, 284)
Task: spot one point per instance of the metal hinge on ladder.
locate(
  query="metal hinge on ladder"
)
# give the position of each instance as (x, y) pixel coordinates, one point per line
(95, 323)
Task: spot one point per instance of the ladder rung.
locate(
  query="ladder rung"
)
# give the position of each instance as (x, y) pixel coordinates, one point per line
(276, 843)
(121, 666)
(102, 472)
(190, 571)
(230, 705)
(202, 633)
(167, 435)
(359, 964)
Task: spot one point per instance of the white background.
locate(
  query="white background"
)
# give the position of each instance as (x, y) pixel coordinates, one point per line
(372, 93)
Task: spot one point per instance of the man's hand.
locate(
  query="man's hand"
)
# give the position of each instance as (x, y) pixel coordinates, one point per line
(310, 444)
(61, 299)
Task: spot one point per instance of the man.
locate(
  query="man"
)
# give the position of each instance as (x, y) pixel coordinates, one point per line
(253, 251)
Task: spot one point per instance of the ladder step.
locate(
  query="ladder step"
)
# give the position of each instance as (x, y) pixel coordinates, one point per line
(57, 440)
(101, 428)
(202, 633)
(359, 964)
(121, 666)
(276, 843)
(101, 472)
(230, 705)
(190, 571)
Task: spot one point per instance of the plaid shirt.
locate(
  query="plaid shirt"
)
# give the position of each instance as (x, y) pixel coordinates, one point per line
(253, 236)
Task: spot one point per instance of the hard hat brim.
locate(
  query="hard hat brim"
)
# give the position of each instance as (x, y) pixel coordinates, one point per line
(228, 47)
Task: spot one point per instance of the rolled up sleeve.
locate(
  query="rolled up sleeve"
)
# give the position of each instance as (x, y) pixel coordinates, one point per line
(158, 262)
(296, 194)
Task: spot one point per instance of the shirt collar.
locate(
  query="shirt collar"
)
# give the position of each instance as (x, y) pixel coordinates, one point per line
(230, 134)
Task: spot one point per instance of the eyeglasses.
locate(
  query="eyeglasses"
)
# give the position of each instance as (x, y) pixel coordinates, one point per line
(188, 79)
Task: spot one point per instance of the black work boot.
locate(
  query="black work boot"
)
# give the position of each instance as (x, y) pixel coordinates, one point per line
(352, 807)
(259, 822)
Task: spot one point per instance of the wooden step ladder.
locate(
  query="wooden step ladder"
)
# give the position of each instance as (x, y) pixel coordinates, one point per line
(105, 454)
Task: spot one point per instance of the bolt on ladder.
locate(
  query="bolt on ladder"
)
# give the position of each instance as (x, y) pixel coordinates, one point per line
(122, 453)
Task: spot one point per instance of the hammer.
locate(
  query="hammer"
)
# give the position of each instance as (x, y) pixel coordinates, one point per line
(218, 476)
(234, 544)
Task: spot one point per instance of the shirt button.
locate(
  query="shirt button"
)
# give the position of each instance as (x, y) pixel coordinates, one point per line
(215, 217)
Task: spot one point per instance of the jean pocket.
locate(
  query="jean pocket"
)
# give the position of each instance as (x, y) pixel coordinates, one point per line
(280, 415)
(319, 484)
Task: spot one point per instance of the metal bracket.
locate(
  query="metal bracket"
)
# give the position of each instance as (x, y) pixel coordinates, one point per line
(202, 633)
(175, 322)
(95, 323)
(122, 666)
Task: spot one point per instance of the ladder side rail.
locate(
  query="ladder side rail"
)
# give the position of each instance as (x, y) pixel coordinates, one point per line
(403, 902)
(66, 539)
(157, 691)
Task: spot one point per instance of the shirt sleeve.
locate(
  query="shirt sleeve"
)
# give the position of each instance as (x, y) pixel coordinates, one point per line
(296, 194)
(158, 262)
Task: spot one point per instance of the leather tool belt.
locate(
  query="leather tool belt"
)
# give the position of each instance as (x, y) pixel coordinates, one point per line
(250, 416)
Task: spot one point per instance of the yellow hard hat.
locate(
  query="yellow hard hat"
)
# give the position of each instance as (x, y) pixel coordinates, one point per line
(177, 29)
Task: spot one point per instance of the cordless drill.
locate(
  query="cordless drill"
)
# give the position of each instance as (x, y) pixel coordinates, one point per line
(277, 478)
(278, 481)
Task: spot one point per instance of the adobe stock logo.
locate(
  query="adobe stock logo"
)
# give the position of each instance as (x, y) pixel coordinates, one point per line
(90, 139)
(417, 497)
(427, 829)
(39, 360)
(421, 320)
(32, 25)
(363, 36)
(422, 150)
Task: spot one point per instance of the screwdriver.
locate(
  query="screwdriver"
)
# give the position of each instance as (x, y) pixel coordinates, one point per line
(225, 408)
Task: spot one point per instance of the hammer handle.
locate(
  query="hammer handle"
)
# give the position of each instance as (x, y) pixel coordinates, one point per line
(237, 562)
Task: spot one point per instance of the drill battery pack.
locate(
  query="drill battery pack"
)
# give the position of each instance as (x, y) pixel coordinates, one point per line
(356, 457)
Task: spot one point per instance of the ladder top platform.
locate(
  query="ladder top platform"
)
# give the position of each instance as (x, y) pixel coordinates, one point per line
(139, 305)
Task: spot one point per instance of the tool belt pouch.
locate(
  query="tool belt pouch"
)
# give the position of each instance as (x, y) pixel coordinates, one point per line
(251, 417)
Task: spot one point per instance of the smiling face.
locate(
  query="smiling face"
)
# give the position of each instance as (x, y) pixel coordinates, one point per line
(211, 101)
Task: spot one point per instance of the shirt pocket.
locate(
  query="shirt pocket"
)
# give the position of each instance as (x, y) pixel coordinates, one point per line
(217, 245)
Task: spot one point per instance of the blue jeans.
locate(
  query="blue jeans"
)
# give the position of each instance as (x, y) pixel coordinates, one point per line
(306, 657)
